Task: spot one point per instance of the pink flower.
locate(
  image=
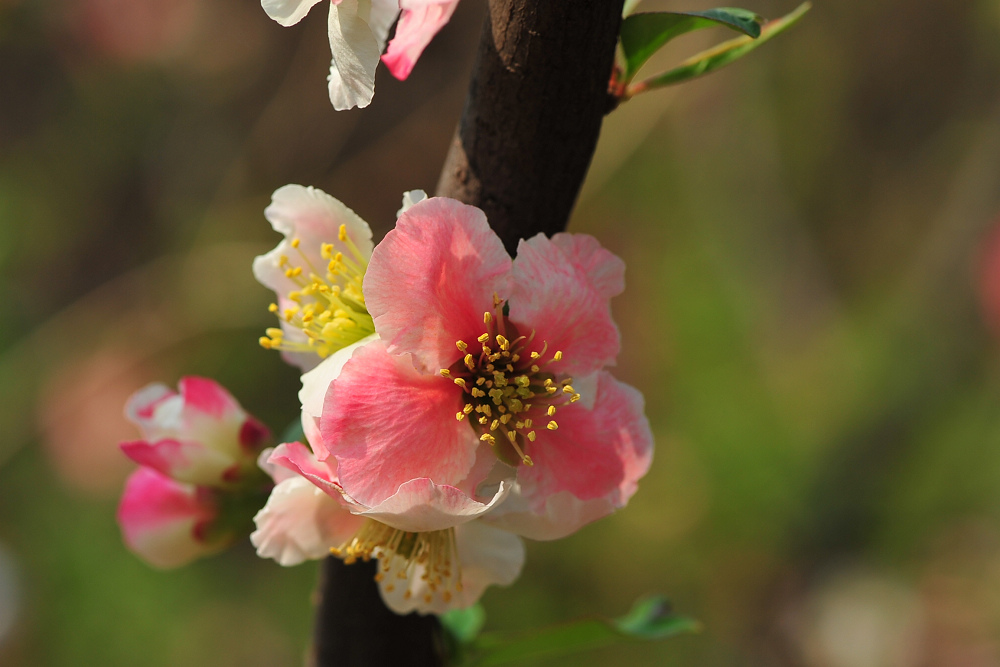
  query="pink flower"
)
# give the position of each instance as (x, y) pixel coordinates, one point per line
(198, 436)
(427, 562)
(477, 348)
(165, 522)
(358, 30)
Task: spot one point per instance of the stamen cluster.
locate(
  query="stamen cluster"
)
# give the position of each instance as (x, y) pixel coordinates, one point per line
(508, 388)
(400, 553)
(329, 306)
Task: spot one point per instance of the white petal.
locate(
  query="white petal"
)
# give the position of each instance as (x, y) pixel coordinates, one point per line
(486, 556)
(300, 522)
(287, 12)
(356, 52)
(563, 515)
(382, 15)
(409, 199)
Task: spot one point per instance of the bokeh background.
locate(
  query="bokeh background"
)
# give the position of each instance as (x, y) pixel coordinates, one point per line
(813, 314)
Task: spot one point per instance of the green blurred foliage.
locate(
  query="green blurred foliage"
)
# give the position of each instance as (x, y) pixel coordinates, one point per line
(804, 233)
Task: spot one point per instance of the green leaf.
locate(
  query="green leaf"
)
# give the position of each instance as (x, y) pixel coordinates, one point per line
(719, 56)
(464, 624)
(649, 619)
(644, 34)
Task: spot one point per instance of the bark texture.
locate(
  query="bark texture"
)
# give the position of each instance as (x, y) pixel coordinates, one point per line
(538, 95)
(521, 151)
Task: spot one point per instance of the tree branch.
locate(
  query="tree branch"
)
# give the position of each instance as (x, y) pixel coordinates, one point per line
(538, 94)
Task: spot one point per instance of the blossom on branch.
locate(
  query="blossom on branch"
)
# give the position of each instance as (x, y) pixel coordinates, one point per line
(476, 352)
(358, 31)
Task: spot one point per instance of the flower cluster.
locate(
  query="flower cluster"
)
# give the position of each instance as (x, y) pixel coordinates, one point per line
(454, 398)
(358, 32)
(198, 470)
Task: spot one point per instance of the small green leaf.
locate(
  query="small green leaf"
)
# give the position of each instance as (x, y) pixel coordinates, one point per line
(719, 56)
(464, 624)
(653, 618)
(644, 34)
(649, 619)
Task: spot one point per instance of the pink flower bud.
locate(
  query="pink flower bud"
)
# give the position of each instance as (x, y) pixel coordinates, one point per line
(166, 523)
(200, 435)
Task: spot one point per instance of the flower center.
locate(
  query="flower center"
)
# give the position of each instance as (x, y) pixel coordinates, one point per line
(329, 307)
(400, 553)
(508, 387)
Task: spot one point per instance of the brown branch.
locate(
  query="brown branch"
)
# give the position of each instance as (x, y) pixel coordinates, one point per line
(530, 125)
(531, 121)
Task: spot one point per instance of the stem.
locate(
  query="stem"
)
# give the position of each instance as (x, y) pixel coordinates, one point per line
(538, 94)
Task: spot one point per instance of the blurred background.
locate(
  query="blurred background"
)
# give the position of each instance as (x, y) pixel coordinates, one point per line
(813, 314)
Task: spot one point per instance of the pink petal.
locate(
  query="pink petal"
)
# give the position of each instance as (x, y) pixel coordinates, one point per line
(432, 278)
(420, 505)
(604, 269)
(182, 460)
(300, 522)
(555, 297)
(386, 424)
(560, 515)
(296, 457)
(414, 32)
(160, 519)
(315, 384)
(140, 409)
(599, 453)
(208, 397)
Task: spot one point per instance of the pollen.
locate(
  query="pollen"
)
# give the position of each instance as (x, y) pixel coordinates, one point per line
(327, 307)
(514, 381)
(409, 558)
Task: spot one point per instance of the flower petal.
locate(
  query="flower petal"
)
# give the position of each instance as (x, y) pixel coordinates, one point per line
(432, 278)
(300, 522)
(315, 385)
(184, 461)
(416, 28)
(420, 505)
(558, 298)
(296, 457)
(356, 51)
(599, 453)
(287, 12)
(386, 424)
(486, 556)
(160, 519)
(560, 515)
(314, 218)
(604, 269)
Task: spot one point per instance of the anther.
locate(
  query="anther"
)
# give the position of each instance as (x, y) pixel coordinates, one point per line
(551, 411)
(487, 318)
(485, 337)
(552, 426)
(557, 356)
(295, 242)
(445, 373)
(342, 234)
(460, 382)
(460, 415)
(460, 344)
